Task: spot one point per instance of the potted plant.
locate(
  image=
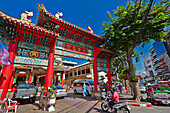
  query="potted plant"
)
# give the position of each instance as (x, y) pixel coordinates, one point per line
(51, 94)
(49, 99)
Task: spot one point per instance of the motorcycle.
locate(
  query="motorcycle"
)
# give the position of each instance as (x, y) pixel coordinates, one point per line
(118, 107)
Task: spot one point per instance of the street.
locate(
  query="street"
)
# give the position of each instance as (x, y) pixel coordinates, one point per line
(153, 109)
(78, 104)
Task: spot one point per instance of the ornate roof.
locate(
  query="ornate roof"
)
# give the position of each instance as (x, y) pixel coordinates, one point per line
(59, 26)
(11, 27)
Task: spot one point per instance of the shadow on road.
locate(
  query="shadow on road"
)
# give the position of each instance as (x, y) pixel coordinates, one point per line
(92, 107)
(72, 95)
(100, 110)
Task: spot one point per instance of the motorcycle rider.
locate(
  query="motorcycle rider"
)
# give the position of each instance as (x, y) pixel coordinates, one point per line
(114, 98)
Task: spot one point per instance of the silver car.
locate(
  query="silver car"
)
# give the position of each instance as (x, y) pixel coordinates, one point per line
(61, 92)
(142, 89)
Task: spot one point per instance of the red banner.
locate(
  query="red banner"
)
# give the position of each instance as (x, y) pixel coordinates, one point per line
(75, 48)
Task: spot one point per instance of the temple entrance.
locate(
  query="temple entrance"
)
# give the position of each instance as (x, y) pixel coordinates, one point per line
(38, 46)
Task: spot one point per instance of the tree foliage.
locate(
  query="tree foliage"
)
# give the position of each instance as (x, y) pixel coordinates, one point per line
(135, 24)
(122, 32)
(120, 62)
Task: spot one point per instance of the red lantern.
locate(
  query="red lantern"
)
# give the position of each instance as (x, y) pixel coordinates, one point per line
(57, 74)
(22, 73)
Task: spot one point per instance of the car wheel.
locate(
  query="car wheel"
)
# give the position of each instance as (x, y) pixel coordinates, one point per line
(152, 101)
(32, 100)
(75, 91)
(62, 97)
(102, 98)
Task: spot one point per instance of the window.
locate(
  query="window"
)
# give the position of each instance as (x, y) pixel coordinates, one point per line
(78, 72)
(83, 71)
(154, 57)
(149, 66)
(87, 70)
(71, 74)
(87, 84)
(78, 84)
(75, 84)
(66, 75)
(75, 73)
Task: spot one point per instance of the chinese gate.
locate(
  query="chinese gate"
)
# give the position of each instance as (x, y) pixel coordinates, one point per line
(38, 45)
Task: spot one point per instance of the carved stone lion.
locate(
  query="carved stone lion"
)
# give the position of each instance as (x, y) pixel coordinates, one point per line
(26, 15)
(58, 15)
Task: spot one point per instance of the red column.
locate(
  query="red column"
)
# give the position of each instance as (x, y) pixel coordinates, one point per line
(95, 69)
(57, 75)
(30, 76)
(62, 79)
(56, 80)
(49, 75)
(12, 79)
(7, 70)
(109, 73)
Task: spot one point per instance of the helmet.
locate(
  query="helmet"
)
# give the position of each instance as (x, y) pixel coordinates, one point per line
(114, 89)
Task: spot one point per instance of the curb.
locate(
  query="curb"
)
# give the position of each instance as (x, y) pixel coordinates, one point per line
(142, 105)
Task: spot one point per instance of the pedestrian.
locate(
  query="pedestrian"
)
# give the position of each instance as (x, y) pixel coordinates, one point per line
(113, 86)
(108, 88)
(120, 88)
(84, 90)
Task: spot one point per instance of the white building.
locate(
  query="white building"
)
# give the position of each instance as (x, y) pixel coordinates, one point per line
(148, 65)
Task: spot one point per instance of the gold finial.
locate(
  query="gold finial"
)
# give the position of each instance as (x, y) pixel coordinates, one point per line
(43, 7)
(89, 28)
(39, 7)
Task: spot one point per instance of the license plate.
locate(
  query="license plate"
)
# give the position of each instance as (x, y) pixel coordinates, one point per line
(26, 97)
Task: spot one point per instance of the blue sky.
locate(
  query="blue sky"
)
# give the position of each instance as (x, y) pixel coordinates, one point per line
(81, 13)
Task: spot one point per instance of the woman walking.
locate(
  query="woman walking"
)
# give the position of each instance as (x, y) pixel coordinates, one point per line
(84, 90)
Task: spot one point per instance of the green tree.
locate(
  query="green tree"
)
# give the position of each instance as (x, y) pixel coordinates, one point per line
(135, 24)
(120, 62)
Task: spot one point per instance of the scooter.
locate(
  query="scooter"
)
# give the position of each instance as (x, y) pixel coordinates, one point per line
(116, 108)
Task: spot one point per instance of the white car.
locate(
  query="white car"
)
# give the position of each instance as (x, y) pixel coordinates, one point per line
(142, 89)
(78, 85)
(61, 92)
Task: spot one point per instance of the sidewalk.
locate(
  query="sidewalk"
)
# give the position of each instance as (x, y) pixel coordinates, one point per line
(128, 97)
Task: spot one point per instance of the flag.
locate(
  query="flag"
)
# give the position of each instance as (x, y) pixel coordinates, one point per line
(5, 57)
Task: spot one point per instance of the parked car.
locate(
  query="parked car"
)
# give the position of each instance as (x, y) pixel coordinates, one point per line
(142, 89)
(25, 91)
(61, 92)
